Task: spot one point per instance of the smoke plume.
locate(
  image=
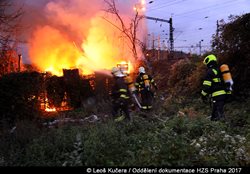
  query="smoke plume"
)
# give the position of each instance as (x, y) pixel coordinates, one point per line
(73, 34)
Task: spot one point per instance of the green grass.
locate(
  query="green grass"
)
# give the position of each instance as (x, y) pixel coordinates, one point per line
(189, 139)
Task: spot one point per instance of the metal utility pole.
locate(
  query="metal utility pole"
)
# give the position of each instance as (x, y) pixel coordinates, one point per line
(159, 46)
(153, 41)
(171, 35)
(217, 36)
(200, 45)
(153, 44)
(217, 29)
(171, 29)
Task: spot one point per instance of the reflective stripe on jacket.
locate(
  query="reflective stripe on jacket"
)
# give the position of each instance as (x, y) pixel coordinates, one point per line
(120, 89)
(212, 83)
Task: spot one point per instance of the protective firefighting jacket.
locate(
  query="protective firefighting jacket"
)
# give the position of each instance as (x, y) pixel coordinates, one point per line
(144, 81)
(213, 84)
(120, 91)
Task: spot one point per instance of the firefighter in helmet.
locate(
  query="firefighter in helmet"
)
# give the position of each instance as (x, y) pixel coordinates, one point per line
(131, 87)
(213, 86)
(120, 95)
(144, 83)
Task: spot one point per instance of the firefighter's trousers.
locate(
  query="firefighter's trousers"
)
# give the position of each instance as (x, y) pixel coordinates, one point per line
(218, 109)
(146, 99)
(120, 106)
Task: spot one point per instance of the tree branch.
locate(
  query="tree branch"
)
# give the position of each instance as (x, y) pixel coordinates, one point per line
(129, 31)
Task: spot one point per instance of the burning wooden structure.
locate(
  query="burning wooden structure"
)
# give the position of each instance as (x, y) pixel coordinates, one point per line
(71, 90)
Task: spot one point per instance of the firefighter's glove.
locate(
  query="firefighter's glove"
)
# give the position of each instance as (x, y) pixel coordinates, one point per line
(204, 99)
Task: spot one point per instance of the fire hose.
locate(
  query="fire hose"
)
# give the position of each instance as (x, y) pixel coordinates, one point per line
(137, 101)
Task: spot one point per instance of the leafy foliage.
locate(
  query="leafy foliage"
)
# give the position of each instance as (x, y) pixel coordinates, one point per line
(186, 77)
(232, 46)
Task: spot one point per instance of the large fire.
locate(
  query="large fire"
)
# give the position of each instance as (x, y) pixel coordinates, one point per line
(79, 38)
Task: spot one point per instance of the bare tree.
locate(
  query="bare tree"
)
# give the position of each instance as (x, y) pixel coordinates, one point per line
(129, 30)
(9, 27)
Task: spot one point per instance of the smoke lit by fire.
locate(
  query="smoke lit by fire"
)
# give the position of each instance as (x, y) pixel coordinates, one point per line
(75, 35)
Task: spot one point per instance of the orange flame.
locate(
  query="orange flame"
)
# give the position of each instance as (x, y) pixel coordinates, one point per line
(125, 66)
(62, 54)
(69, 39)
(50, 109)
(45, 106)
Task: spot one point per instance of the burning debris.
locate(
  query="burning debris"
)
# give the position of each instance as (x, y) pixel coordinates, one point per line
(64, 93)
(72, 41)
(70, 91)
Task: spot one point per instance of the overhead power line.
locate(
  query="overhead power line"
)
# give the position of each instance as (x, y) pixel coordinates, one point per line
(171, 29)
(216, 6)
(166, 5)
(159, 4)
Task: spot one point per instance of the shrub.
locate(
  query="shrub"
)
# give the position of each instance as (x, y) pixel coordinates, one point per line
(15, 140)
(50, 148)
(178, 80)
(19, 94)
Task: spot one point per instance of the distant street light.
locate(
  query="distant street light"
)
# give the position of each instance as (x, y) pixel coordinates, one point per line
(141, 6)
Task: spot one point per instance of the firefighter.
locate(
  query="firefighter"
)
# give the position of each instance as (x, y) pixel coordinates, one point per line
(120, 96)
(213, 86)
(128, 80)
(132, 90)
(144, 83)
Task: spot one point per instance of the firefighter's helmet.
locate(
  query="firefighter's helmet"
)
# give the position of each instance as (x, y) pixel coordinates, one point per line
(114, 70)
(117, 72)
(141, 70)
(209, 59)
